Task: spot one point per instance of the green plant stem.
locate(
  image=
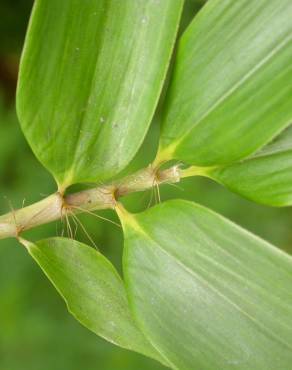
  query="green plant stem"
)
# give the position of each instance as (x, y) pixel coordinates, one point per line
(196, 171)
(57, 206)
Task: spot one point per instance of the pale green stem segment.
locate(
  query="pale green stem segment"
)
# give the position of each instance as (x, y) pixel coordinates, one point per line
(56, 206)
(196, 171)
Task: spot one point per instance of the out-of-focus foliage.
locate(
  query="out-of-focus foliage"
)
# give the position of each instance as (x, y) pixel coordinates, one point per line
(36, 331)
(14, 17)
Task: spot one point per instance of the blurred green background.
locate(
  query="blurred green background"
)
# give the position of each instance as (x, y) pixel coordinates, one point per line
(36, 332)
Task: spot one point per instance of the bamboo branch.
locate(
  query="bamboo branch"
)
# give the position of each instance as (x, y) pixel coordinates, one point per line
(102, 197)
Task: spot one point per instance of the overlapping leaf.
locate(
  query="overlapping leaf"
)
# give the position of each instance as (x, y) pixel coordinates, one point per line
(92, 289)
(206, 293)
(265, 177)
(231, 89)
(90, 77)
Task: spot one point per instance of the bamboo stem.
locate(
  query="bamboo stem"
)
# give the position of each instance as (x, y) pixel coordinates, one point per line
(53, 207)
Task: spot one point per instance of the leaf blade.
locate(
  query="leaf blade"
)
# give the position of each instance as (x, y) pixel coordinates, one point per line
(266, 177)
(90, 76)
(208, 294)
(231, 90)
(92, 289)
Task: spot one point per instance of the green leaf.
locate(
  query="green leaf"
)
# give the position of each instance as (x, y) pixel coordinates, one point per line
(231, 89)
(206, 293)
(92, 289)
(265, 177)
(90, 77)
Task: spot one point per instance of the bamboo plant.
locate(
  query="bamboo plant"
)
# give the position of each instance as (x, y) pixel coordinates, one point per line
(198, 292)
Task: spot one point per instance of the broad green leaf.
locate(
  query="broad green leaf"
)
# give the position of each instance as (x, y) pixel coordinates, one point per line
(92, 289)
(231, 89)
(265, 177)
(90, 77)
(206, 293)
